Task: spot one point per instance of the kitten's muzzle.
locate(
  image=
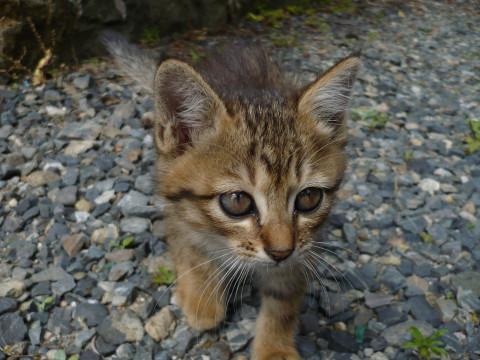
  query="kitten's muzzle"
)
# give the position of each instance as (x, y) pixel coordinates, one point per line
(278, 255)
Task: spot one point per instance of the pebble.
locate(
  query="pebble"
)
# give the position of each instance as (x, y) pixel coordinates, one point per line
(121, 326)
(161, 324)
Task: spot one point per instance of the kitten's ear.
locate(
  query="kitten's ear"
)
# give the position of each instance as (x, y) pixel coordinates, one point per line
(186, 106)
(326, 99)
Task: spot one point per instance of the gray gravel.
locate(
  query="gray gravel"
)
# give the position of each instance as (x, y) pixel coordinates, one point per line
(82, 237)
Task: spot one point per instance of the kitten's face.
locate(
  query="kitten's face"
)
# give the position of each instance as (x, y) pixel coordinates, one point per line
(262, 184)
(251, 178)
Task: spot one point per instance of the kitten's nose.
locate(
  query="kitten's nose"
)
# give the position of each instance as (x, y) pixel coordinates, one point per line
(278, 255)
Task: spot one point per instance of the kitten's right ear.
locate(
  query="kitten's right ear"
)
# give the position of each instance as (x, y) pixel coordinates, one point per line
(186, 107)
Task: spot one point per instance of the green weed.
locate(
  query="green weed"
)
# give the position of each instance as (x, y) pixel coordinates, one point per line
(426, 346)
(374, 119)
(163, 277)
(473, 140)
(150, 36)
(426, 237)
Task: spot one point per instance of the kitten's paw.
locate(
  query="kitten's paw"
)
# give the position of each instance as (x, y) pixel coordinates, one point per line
(279, 355)
(202, 315)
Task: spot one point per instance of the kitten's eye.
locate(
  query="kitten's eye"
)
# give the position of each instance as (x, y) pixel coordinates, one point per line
(237, 203)
(308, 199)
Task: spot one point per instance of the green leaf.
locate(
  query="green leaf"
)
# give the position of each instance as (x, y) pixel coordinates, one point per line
(416, 334)
(74, 357)
(164, 276)
(439, 351)
(127, 243)
(439, 333)
(410, 345)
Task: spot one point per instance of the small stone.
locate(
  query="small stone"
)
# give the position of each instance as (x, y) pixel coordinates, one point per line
(144, 184)
(373, 300)
(7, 305)
(120, 255)
(398, 334)
(429, 185)
(121, 327)
(67, 196)
(106, 234)
(393, 279)
(422, 310)
(468, 300)
(118, 271)
(41, 178)
(132, 200)
(237, 338)
(56, 355)
(12, 288)
(12, 329)
(72, 244)
(82, 82)
(105, 197)
(83, 205)
(447, 308)
(76, 147)
(160, 324)
(93, 314)
(134, 225)
(468, 280)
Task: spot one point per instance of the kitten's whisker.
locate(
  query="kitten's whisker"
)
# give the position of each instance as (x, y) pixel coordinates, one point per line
(209, 280)
(182, 275)
(319, 258)
(322, 285)
(338, 271)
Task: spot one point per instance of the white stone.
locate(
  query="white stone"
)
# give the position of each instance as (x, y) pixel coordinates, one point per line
(429, 185)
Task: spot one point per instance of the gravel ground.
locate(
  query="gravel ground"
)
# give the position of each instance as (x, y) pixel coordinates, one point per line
(81, 237)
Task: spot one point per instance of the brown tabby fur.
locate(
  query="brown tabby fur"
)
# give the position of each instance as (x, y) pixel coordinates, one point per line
(237, 124)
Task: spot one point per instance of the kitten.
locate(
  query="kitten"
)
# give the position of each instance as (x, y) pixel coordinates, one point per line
(248, 163)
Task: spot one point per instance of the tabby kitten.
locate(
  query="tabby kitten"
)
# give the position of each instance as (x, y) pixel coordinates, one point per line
(248, 163)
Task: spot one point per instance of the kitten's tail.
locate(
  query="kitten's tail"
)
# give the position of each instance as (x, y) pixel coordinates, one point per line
(136, 63)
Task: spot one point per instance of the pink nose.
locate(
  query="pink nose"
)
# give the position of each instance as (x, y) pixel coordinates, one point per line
(278, 255)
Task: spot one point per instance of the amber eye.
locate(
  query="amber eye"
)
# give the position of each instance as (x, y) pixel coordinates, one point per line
(237, 203)
(308, 199)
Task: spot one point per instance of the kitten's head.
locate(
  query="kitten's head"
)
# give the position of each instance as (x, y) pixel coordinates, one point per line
(255, 175)
(247, 162)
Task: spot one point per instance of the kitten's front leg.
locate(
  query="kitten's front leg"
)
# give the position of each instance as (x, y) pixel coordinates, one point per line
(276, 324)
(199, 292)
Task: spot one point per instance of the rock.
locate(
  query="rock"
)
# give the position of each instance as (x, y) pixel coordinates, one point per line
(134, 225)
(306, 346)
(143, 306)
(120, 327)
(66, 196)
(373, 300)
(82, 82)
(393, 279)
(120, 255)
(54, 273)
(12, 288)
(76, 147)
(7, 305)
(391, 315)
(237, 338)
(56, 355)
(429, 185)
(447, 308)
(132, 200)
(468, 300)
(468, 280)
(144, 184)
(72, 244)
(105, 197)
(160, 324)
(422, 310)
(93, 314)
(342, 341)
(118, 271)
(12, 329)
(106, 234)
(41, 178)
(398, 334)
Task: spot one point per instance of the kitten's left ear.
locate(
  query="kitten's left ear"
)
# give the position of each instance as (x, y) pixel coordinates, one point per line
(186, 107)
(326, 99)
